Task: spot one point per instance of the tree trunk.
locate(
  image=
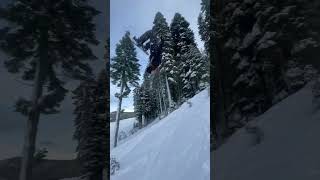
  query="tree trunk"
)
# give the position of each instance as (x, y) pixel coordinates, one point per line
(118, 116)
(168, 92)
(34, 114)
(143, 121)
(160, 103)
(164, 102)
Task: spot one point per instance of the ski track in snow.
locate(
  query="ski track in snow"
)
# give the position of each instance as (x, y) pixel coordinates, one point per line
(173, 148)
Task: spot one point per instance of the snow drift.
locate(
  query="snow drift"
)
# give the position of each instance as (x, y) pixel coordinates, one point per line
(174, 148)
(288, 148)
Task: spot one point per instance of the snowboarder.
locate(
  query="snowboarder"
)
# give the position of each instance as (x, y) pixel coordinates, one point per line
(148, 41)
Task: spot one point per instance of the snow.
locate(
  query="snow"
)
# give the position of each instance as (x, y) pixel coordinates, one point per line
(237, 12)
(176, 147)
(125, 126)
(303, 44)
(288, 149)
(251, 37)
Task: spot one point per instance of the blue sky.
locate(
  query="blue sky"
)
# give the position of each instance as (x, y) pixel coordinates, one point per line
(137, 16)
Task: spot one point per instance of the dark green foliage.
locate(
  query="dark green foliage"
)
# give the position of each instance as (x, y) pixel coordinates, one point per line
(145, 102)
(40, 154)
(91, 125)
(124, 72)
(262, 51)
(183, 39)
(44, 40)
(204, 21)
(137, 103)
(182, 35)
(48, 30)
(124, 66)
(196, 78)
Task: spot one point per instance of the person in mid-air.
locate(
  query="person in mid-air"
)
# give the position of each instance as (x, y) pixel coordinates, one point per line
(148, 41)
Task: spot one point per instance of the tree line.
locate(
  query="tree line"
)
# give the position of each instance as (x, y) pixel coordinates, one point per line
(183, 72)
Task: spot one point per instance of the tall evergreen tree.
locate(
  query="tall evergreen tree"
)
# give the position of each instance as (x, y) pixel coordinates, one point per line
(261, 48)
(124, 72)
(161, 32)
(91, 126)
(196, 78)
(204, 21)
(183, 38)
(107, 95)
(42, 36)
(219, 124)
(137, 103)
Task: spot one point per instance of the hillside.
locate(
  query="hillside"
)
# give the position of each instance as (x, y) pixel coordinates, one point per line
(174, 148)
(280, 144)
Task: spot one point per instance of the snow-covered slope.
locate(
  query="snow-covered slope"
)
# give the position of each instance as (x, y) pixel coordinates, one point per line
(125, 126)
(289, 148)
(175, 148)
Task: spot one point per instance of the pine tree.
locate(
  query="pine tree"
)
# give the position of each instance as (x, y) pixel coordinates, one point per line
(124, 72)
(42, 36)
(91, 126)
(256, 43)
(148, 104)
(146, 101)
(205, 71)
(197, 76)
(137, 105)
(219, 124)
(204, 21)
(183, 38)
(206, 31)
(294, 76)
(161, 32)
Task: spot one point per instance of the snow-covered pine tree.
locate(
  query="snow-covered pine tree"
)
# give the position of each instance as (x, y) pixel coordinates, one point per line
(257, 41)
(206, 31)
(137, 105)
(196, 78)
(204, 20)
(167, 70)
(124, 72)
(205, 69)
(210, 11)
(183, 38)
(310, 73)
(100, 138)
(107, 93)
(149, 105)
(91, 126)
(41, 37)
(156, 85)
(294, 76)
